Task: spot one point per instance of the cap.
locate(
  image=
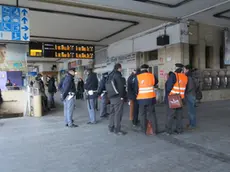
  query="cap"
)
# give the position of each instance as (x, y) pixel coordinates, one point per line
(144, 66)
(179, 65)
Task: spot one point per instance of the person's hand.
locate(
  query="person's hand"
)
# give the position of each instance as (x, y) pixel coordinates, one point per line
(122, 98)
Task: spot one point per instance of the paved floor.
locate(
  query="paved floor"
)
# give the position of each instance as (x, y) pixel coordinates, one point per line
(45, 145)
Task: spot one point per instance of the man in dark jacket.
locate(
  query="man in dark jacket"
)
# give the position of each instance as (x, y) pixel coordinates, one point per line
(103, 94)
(68, 97)
(146, 98)
(173, 113)
(117, 101)
(133, 114)
(191, 97)
(51, 90)
(91, 86)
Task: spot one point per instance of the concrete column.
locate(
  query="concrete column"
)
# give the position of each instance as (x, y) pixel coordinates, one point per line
(201, 54)
(185, 53)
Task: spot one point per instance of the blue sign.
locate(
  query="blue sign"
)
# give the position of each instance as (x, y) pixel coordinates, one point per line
(14, 23)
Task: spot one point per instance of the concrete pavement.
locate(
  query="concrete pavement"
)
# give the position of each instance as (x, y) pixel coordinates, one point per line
(45, 145)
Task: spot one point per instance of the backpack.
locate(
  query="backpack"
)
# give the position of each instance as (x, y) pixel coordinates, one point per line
(110, 86)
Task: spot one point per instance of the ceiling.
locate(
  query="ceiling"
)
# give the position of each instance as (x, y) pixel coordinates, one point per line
(102, 22)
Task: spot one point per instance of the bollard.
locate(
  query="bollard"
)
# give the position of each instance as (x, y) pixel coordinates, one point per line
(37, 105)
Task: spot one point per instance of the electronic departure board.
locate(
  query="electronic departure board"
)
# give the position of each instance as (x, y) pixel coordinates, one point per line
(35, 49)
(59, 50)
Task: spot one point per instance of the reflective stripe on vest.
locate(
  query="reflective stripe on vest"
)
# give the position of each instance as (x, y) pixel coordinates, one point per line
(180, 85)
(146, 82)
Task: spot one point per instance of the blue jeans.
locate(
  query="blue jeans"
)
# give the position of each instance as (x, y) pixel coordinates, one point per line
(68, 110)
(91, 110)
(191, 101)
(103, 109)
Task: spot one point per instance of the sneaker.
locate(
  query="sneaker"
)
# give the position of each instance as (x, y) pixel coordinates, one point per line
(119, 133)
(73, 126)
(66, 125)
(89, 122)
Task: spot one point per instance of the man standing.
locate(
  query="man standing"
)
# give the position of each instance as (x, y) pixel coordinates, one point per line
(68, 97)
(176, 84)
(146, 97)
(104, 97)
(116, 92)
(133, 114)
(191, 97)
(91, 86)
(51, 90)
(39, 84)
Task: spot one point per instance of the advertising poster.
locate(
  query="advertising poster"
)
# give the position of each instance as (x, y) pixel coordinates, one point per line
(12, 57)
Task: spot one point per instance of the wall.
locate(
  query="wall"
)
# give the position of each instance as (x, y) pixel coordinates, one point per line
(3, 79)
(202, 36)
(101, 56)
(169, 56)
(147, 41)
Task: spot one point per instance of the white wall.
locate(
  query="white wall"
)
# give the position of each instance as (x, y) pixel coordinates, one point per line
(147, 42)
(120, 48)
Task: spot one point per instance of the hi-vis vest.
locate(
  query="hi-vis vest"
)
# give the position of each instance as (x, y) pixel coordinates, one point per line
(180, 85)
(146, 82)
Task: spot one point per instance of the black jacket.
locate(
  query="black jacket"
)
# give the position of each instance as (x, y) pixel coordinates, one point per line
(51, 85)
(145, 101)
(102, 85)
(119, 83)
(80, 86)
(91, 84)
(131, 87)
(68, 85)
(191, 86)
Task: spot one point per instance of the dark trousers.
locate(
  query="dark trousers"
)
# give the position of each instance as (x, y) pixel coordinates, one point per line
(116, 113)
(51, 100)
(134, 109)
(148, 113)
(174, 114)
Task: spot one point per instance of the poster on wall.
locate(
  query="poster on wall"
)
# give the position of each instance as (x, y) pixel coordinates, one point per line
(12, 57)
(227, 48)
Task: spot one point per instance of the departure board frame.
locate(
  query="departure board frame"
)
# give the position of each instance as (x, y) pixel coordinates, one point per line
(69, 51)
(35, 49)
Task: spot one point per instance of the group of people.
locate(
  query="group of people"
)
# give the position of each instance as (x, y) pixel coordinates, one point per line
(141, 96)
(47, 102)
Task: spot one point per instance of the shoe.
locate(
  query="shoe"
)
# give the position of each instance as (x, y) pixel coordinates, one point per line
(119, 133)
(66, 125)
(89, 123)
(73, 126)
(111, 130)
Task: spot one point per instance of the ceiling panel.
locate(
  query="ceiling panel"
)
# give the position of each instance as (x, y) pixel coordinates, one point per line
(73, 27)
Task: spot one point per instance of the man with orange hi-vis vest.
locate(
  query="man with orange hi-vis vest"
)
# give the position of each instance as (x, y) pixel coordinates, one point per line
(176, 84)
(146, 97)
